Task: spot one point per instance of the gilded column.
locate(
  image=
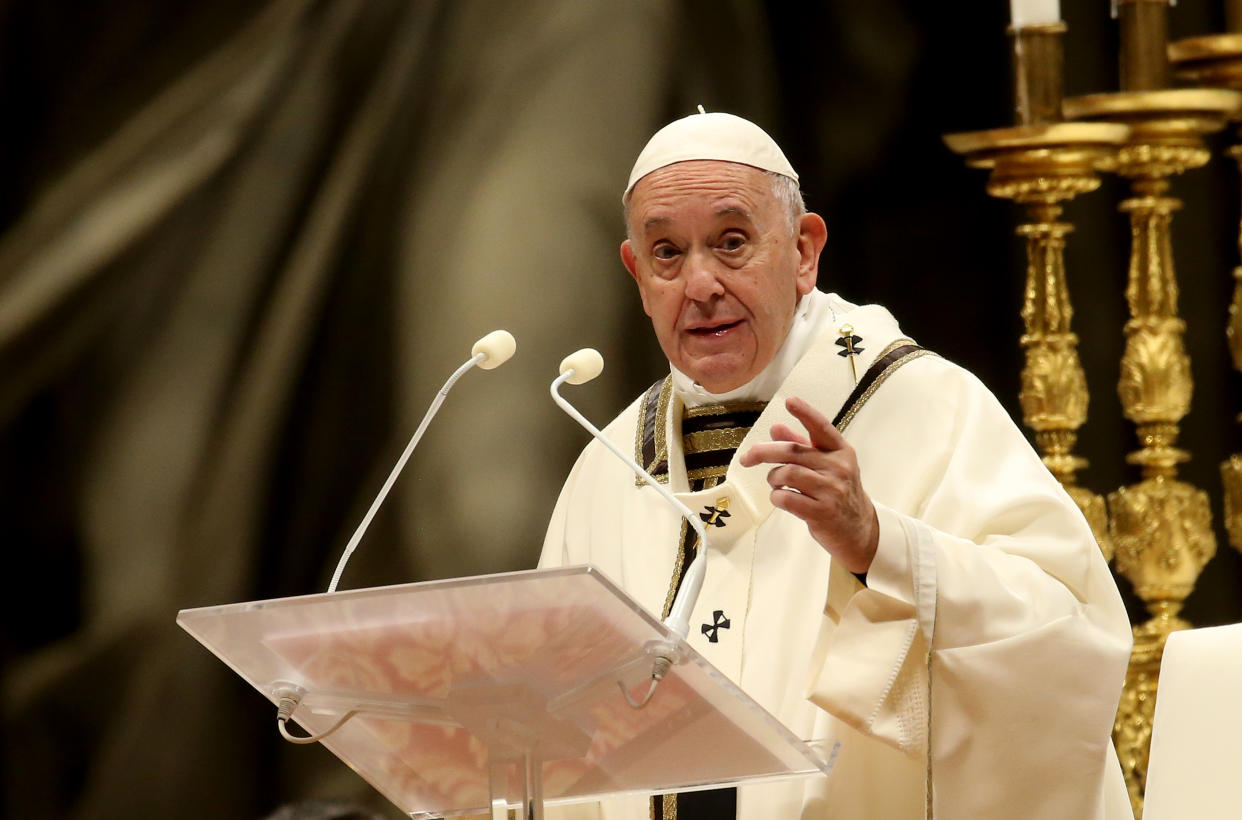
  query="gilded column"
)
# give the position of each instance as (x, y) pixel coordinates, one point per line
(1042, 163)
(1161, 527)
(1231, 468)
(1042, 167)
(1054, 388)
(1216, 60)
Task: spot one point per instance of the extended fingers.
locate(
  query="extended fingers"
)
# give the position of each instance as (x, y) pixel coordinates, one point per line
(838, 465)
(789, 446)
(811, 483)
(822, 434)
(783, 432)
(796, 504)
(781, 452)
(786, 445)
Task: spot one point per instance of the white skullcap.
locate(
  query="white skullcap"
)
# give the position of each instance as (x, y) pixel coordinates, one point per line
(715, 136)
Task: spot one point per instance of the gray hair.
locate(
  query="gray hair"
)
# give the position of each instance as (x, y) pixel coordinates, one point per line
(784, 188)
(787, 192)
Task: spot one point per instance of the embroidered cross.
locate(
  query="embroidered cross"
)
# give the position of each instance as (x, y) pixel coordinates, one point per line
(851, 347)
(719, 622)
(713, 516)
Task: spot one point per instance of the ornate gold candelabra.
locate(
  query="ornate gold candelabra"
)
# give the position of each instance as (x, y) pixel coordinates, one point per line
(1216, 60)
(1041, 164)
(1161, 526)
(1042, 167)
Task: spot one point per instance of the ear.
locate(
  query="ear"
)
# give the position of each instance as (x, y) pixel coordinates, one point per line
(631, 264)
(812, 236)
(629, 259)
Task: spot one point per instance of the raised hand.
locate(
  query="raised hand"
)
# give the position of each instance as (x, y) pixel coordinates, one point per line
(816, 479)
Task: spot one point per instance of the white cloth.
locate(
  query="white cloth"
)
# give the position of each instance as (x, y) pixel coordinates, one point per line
(981, 553)
(1195, 758)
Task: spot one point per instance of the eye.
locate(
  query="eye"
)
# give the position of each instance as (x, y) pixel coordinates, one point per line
(732, 242)
(664, 251)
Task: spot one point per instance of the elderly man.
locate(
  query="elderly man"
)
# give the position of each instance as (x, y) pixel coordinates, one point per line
(891, 569)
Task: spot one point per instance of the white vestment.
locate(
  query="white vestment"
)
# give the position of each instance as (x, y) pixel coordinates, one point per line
(982, 556)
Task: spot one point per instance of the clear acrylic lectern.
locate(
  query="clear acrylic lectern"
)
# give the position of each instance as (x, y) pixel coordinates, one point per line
(476, 693)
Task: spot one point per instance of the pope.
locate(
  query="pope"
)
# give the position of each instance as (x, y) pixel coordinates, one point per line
(897, 575)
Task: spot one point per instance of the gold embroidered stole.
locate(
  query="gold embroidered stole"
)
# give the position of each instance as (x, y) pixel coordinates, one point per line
(710, 437)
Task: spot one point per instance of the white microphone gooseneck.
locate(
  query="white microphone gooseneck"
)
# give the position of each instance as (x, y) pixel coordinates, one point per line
(579, 368)
(491, 351)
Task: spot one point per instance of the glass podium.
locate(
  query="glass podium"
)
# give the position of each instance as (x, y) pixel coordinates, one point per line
(476, 694)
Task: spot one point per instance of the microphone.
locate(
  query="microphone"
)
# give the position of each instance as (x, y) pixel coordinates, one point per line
(488, 353)
(579, 368)
(496, 348)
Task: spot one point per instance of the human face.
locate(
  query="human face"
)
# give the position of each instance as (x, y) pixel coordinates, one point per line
(719, 267)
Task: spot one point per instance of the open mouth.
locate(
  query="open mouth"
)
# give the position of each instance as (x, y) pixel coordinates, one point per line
(714, 330)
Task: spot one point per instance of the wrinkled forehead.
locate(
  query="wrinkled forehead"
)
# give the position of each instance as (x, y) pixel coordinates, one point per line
(699, 189)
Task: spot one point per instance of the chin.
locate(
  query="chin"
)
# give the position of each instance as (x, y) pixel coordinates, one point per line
(715, 382)
(718, 372)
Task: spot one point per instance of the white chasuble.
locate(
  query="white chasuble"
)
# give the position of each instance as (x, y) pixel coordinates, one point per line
(983, 558)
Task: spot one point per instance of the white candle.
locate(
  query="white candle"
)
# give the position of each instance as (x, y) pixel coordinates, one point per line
(1025, 13)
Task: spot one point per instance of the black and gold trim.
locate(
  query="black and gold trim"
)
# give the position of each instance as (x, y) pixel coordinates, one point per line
(688, 549)
(663, 807)
(743, 412)
(894, 356)
(650, 444)
(711, 434)
(685, 554)
(713, 804)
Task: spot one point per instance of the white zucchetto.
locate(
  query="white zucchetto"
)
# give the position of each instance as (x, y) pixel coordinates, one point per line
(714, 136)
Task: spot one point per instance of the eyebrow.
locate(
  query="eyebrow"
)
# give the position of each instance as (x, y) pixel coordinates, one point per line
(730, 210)
(733, 210)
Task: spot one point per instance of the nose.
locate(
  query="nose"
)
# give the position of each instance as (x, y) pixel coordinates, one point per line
(702, 281)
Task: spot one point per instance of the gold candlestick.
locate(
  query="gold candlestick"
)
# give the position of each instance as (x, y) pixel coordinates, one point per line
(1161, 526)
(1042, 167)
(1216, 60)
(1043, 163)
(1144, 31)
(1039, 72)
